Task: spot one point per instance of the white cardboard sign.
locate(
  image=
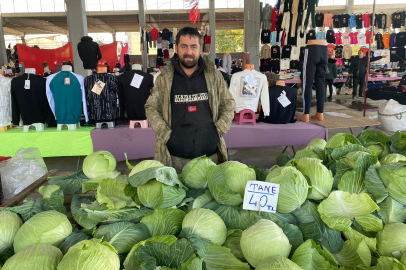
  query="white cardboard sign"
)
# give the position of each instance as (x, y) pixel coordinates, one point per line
(261, 196)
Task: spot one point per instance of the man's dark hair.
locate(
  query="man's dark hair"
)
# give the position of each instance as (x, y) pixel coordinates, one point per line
(188, 31)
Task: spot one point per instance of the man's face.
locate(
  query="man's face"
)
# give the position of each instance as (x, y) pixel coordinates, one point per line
(361, 54)
(188, 51)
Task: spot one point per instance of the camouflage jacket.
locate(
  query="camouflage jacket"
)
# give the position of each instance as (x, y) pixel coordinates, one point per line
(159, 113)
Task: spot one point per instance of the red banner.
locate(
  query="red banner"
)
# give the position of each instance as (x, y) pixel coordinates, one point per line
(109, 55)
(33, 57)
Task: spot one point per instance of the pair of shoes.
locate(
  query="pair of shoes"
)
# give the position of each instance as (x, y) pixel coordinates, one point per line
(353, 97)
(330, 97)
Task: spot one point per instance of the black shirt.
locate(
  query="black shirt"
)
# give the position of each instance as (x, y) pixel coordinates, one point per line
(275, 52)
(103, 107)
(32, 104)
(344, 20)
(336, 21)
(266, 36)
(380, 20)
(294, 64)
(279, 114)
(132, 98)
(339, 51)
(286, 50)
(319, 19)
(265, 65)
(275, 65)
(193, 131)
(166, 34)
(401, 39)
(397, 19)
(358, 20)
(310, 35)
(379, 41)
(330, 37)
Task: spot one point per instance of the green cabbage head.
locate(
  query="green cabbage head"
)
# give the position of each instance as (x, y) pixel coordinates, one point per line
(262, 240)
(49, 227)
(35, 257)
(293, 188)
(317, 143)
(392, 239)
(277, 262)
(206, 224)
(392, 158)
(194, 174)
(393, 176)
(237, 176)
(10, 223)
(100, 163)
(90, 255)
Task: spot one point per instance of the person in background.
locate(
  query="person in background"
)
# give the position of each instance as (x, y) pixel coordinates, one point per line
(47, 71)
(358, 70)
(58, 68)
(331, 74)
(190, 108)
(70, 64)
(108, 67)
(237, 67)
(118, 65)
(127, 66)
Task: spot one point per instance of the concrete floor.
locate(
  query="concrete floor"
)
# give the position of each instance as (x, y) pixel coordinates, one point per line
(264, 157)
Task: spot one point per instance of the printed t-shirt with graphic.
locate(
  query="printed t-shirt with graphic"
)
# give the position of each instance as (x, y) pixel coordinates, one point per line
(354, 39)
(386, 39)
(345, 18)
(276, 52)
(339, 52)
(338, 38)
(330, 48)
(355, 49)
(347, 52)
(247, 96)
(346, 39)
(367, 34)
(361, 38)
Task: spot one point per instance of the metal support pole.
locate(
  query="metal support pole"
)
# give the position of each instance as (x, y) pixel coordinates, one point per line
(212, 22)
(3, 52)
(141, 17)
(371, 34)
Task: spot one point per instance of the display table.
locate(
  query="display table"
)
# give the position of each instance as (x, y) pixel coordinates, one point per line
(50, 142)
(371, 79)
(140, 143)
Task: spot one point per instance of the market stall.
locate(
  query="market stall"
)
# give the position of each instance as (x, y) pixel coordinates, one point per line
(204, 217)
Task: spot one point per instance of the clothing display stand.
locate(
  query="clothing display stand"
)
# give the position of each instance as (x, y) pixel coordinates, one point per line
(71, 127)
(110, 125)
(142, 123)
(4, 129)
(314, 69)
(38, 126)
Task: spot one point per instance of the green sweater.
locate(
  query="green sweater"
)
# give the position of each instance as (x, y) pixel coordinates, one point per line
(332, 66)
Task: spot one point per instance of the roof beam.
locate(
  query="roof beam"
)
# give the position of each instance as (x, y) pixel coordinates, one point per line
(99, 25)
(35, 24)
(9, 31)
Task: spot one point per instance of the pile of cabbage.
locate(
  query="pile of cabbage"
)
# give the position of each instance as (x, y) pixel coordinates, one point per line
(341, 205)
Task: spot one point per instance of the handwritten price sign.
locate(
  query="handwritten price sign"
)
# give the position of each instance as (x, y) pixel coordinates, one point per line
(261, 196)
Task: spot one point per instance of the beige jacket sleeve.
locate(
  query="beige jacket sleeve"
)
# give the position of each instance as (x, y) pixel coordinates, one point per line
(226, 106)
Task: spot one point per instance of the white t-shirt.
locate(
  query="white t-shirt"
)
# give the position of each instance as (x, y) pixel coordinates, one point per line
(294, 53)
(285, 64)
(361, 39)
(387, 59)
(247, 96)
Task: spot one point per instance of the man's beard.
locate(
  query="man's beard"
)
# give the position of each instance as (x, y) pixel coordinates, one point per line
(188, 64)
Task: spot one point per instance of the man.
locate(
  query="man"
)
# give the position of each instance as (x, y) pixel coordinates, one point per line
(358, 69)
(190, 108)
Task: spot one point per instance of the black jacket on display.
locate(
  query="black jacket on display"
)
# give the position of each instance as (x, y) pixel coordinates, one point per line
(103, 107)
(132, 98)
(89, 52)
(278, 113)
(32, 104)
